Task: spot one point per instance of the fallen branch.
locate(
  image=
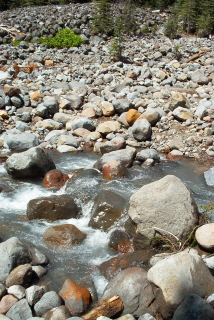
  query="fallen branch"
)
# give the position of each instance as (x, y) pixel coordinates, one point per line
(196, 56)
(107, 308)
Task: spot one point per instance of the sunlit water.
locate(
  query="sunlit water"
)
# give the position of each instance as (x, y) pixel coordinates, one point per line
(80, 262)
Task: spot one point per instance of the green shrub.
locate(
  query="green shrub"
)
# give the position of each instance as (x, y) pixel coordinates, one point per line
(171, 28)
(65, 38)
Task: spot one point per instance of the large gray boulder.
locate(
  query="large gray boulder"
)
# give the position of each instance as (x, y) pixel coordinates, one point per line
(33, 163)
(52, 104)
(142, 130)
(48, 301)
(15, 252)
(194, 307)
(20, 141)
(20, 311)
(134, 289)
(126, 156)
(85, 123)
(209, 177)
(165, 206)
(177, 276)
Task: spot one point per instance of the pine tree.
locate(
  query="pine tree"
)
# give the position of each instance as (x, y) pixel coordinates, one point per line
(102, 21)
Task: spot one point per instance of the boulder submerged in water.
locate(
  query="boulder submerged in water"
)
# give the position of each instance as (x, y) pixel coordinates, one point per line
(33, 163)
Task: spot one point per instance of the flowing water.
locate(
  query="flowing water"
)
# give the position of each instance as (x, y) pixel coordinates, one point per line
(80, 262)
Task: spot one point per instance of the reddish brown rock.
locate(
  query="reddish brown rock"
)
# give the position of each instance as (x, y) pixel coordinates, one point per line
(55, 179)
(81, 132)
(76, 297)
(36, 96)
(113, 169)
(6, 303)
(174, 154)
(113, 266)
(64, 235)
(120, 242)
(132, 115)
(11, 91)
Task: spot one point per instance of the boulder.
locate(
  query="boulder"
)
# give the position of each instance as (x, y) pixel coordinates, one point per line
(182, 114)
(151, 209)
(48, 301)
(63, 235)
(209, 177)
(134, 289)
(20, 310)
(58, 313)
(115, 144)
(15, 252)
(145, 154)
(177, 276)
(85, 123)
(62, 117)
(107, 108)
(205, 236)
(7, 302)
(55, 179)
(53, 136)
(34, 294)
(125, 156)
(21, 275)
(131, 116)
(52, 104)
(75, 101)
(20, 141)
(108, 208)
(194, 307)
(141, 130)
(113, 266)
(108, 127)
(113, 169)
(120, 242)
(53, 208)
(76, 297)
(177, 100)
(68, 140)
(32, 163)
(121, 105)
(151, 115)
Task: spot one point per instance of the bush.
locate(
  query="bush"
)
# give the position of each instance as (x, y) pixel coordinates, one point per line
(171, 28)
(65, 38)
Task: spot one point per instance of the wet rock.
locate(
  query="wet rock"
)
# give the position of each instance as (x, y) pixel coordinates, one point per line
(39, 271)
(125, 156)
(190, 276)
(17, 291)
(141, 130)
(7, 302)
(34, 294)
(108, 208)
(205, 235)
(113, 169)
(48, 301)
(20, 141)
(195, 307)
(63, 235)
(55, 179)
(20, 310)
(120, 242)
(53, 208)
(148, 154)
(209, 177)
(58, 313)
(76, 297)
(21, 275)
(112, 145)
(68, 140)
(140, 296)
(113, 266)
(160, 199)
(32, 163)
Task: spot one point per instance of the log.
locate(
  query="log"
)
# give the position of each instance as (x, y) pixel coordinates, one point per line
(108, 308)
(196, 56)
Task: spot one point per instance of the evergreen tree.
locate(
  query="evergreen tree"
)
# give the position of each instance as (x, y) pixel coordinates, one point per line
(102, 21)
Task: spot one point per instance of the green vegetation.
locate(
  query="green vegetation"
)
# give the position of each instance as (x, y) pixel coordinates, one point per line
(65, 38)
(102, 21)
(16, 43)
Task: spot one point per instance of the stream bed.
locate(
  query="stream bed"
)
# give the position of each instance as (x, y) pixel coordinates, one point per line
(80, 262)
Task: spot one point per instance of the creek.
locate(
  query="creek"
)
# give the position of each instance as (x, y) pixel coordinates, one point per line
(80, 262)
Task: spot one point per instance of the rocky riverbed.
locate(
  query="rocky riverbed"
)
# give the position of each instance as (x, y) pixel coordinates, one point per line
(157, 103)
